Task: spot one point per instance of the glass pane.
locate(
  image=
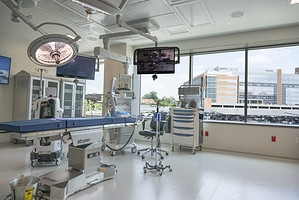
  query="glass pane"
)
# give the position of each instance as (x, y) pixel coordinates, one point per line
(35, 94)
(54, 85)
(273, 85)
(219, 75)
(165, 88)
(79, 101)
(94, 90)
(68, 100)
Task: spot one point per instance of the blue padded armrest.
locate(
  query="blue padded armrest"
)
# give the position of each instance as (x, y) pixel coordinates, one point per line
(33, 125)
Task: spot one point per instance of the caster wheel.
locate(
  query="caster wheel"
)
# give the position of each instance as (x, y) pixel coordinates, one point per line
(57, 162)
(172, 148)
(170, 170)
(15, 141)
(142, 157)
(103, 147)
(166, 153)
(144, 171)
(160, 173)
(200, 148)
(162, 157)
(193, 151)
(133, 150)
(33, 163)
(138, 152)
(112, 153)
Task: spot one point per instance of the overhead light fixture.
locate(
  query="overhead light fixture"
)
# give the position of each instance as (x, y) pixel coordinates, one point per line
(101, 6)
(27, 3)
(50, 50)
(237, 14)
(294, 1)
(53, 50)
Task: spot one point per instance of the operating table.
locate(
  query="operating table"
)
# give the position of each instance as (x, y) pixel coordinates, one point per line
(85, 167)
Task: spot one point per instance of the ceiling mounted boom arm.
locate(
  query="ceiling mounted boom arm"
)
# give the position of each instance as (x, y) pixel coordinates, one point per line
(13, 8)
(130, 28)
(122, 4)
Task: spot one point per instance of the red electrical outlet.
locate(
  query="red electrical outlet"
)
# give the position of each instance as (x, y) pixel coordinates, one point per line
(207, 133)
(273, 138)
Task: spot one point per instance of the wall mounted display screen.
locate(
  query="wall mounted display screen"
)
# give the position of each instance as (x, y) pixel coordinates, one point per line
(82, 67)
(4, 69)
(157, 60)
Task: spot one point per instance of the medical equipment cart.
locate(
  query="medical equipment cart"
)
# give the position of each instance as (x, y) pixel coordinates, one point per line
(187, 128)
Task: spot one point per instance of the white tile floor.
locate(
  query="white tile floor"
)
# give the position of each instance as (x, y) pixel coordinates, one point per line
(208, 175)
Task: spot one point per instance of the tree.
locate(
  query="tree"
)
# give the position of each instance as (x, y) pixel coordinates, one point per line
(151, 95)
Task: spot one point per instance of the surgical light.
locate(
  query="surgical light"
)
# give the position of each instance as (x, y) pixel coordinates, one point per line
(54, 49)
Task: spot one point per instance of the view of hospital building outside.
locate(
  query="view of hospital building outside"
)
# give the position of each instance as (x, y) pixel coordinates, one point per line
(270, 93)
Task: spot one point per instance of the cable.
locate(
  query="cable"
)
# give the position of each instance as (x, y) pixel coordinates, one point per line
(124, 144)
(7, 196)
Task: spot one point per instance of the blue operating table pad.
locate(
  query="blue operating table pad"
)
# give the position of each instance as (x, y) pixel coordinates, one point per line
(35, 125)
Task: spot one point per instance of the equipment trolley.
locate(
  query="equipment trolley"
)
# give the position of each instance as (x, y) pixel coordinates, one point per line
(187, 128)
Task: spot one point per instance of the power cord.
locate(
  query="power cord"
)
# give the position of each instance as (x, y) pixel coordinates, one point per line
(119, 149)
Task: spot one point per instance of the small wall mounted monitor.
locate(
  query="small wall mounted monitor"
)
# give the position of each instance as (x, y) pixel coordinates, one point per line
(156, 60)
(82, 67)
(4, 69)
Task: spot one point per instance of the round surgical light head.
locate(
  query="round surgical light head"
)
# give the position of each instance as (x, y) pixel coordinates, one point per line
(53, 50)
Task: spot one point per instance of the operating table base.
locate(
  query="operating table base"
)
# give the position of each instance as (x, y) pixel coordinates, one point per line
(61, 183)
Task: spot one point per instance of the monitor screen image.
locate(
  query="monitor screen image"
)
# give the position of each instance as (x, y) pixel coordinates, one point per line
(158, 60)
(82, 67)
(4, 69)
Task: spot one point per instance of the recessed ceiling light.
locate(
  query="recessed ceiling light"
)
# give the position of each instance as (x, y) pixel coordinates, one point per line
(294, 1)
(237, 14)
(73, 37)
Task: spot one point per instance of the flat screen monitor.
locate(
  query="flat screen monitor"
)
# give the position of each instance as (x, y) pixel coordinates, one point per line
(157, 60)
(82, 67)
(4, 69)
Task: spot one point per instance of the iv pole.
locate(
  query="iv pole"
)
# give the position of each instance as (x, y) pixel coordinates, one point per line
(158, 167)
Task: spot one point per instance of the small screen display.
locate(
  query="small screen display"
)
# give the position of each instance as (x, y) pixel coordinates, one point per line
(81, 67)
(4, 69)
(155, 61)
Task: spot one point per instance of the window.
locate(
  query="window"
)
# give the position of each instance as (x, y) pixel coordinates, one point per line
(272, 80)
(94, 89)
(272, 84)
(165, 88)
(220, 73)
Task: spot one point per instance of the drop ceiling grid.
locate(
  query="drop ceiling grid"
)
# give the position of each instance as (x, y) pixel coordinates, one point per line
(194, 13)
(69, 12)
(148, 9)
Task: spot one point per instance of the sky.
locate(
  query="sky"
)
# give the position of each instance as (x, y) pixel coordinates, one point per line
(285, 58)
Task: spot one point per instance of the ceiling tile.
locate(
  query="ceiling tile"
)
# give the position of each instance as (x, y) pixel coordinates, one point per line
(174, 30)
(62, 12)
(194, 13)
(93, 28)
(168, 20)
(147, 9)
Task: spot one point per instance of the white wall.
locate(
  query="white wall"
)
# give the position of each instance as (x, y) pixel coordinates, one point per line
(13, 45)
(253, 138)
(246, 138)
